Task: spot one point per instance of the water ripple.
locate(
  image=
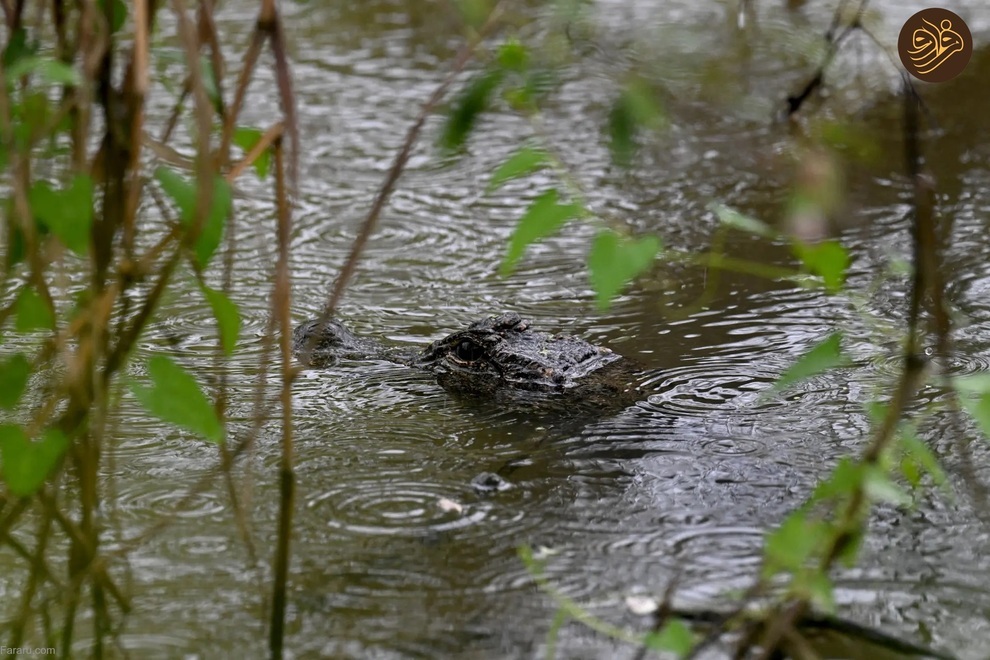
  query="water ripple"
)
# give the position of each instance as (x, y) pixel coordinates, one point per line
(377, 506)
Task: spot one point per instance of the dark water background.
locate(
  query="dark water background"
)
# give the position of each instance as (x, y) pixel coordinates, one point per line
(683, 484)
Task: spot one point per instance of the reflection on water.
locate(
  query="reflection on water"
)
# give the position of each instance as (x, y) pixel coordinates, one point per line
(683, 484)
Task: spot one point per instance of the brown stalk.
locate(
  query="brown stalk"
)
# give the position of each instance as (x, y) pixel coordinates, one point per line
(167, 154)
(204, 122)
(207, 34)
(281, 309)
(283, 79)
(14, 14)
(39, 570)
(125, 341)
(136, 92)
(925, 260)
(240, 92)
(20, 183)
(207, 480)
(90, 48)
(227, 457)
(173, 118)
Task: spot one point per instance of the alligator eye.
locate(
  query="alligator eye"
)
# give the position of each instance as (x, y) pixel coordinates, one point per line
(467, 351)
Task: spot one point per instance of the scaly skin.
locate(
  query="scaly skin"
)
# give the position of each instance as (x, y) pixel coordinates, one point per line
(493, 357)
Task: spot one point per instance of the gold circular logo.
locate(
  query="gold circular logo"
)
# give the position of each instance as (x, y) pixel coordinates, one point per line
(935, 45)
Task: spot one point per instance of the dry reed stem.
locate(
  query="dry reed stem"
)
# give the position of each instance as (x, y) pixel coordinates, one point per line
(38, 570)
(282, 309)
(270, 22)
(168, 154)
(388, 185)
(173, 118)
(240, 92)
(138, 90)
(204, 123)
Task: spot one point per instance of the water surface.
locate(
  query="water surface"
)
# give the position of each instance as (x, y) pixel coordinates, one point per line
(685, 483)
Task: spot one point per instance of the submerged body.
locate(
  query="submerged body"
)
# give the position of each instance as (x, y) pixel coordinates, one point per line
(498, 356)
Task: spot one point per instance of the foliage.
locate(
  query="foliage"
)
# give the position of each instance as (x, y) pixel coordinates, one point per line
(77, 196)
(175, 397)
(27, 463)
(830, 525)
(73, 140)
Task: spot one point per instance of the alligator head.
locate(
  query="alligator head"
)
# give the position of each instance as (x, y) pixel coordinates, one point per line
(493, 356)
(503, 352)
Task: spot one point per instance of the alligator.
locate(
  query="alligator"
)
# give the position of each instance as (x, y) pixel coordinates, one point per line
(498, 357)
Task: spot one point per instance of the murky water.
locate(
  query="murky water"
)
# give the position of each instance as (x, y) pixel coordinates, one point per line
(681, 485)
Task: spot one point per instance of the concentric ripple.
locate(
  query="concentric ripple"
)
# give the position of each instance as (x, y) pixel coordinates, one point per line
(715, 387)
(377, 507)
(959, 363)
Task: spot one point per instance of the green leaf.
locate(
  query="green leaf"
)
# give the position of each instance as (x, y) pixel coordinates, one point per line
(209, 239)
(979, 410)
(876, 411)
(615, 260)
(922, 456)
(675, 637)
(827, 259)
(210, 84)
(183, 194)
(16, 247)
(899, 266)
(513, 56)
(32, 114)
(246, 138)
(67, 213)
(845, 478)
(747, 223)
(791, 545)
(911, 471)
(975, 383)
(119, 15)
(27, 464)
(536, 84)
(48, 70)
(180, 190)
(176, 398)
(820, 591)
(14, 374)
(471, 102)
(543, 218)
(879, 487)
(635, 108)
(227, 316)
(854, 543)
(474, 12)
(525, 161)
(826, 355)
(17, 48)
(32, 312)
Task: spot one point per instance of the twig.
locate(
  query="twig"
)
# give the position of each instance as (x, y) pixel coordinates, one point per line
(795, 102)
(388, 185)
(282, 310)
(270, 136)
(204, 121)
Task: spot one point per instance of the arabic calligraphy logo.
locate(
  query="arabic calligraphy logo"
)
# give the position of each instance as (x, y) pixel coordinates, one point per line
(935, 45)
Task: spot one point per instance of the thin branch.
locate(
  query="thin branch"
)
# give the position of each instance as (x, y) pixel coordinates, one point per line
(281, 304)
(385, 191)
